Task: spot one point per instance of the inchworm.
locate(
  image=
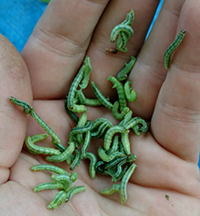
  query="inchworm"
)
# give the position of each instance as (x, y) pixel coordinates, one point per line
(86, 144)
(172, 48)
(80, 96)
(100, 166)
(122, 75)
(103, 130)
(48, 167)
(74, 190)
(76, 160)
(117, 172)
(79, 130)
(72, 90)
(70, 159)
(115, 145)
(125, 179)
(48, 186)
(129, 92)
(114, 162)
(125, 168)
(122, 41)
(83, 75)
(109, 191)
(79, 108)
(86, 73)
(93, 160)
(58, 200)
(116, 113)
(98, 122)
(64, 155)
(20, 103)
(129, 18)
(65, 180)
(137, 121)
(107, 158)
(126, 143)
(54, 137)
(112, 168)
(126, 119)
(122, 38)
(121, 147)
(131, 158)
(121, 28)
(100, 96)
(120, 91)
(110, 133)
(70, 113)
(123, 31)
(63, 177)
(34, 149)
(30, 110)
(86, 101)
(100, 132)
(81, 123)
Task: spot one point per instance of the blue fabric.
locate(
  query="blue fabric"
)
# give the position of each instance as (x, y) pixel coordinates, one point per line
(18, 18)
(155, 16)
(199, 161)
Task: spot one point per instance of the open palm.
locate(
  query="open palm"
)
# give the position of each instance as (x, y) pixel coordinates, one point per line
(166, 181)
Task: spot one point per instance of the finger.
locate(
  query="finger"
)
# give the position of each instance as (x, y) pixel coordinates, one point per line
(158, 168)
(114, 14)
(58, 45)
(14, 81)
(149, 73)
(175, 122)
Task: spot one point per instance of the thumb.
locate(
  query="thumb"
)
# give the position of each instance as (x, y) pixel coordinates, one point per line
(14, 81)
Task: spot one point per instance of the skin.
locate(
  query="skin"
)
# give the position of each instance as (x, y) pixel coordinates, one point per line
(167, 155)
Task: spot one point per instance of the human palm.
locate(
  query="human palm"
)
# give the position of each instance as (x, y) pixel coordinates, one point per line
(166, 180)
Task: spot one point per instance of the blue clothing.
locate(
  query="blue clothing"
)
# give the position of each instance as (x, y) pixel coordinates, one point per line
(18, 18)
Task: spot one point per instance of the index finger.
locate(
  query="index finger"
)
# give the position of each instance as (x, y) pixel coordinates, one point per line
(14, 81)
(60, 40)
(57, 46)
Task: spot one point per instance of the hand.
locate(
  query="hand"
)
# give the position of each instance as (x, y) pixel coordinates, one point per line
(166, 181)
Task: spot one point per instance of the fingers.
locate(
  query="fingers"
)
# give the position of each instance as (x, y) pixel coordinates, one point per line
(158, 168)
(106, 64)
(175, 122)
(58, 44)
(14, 81)
(149, 73)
